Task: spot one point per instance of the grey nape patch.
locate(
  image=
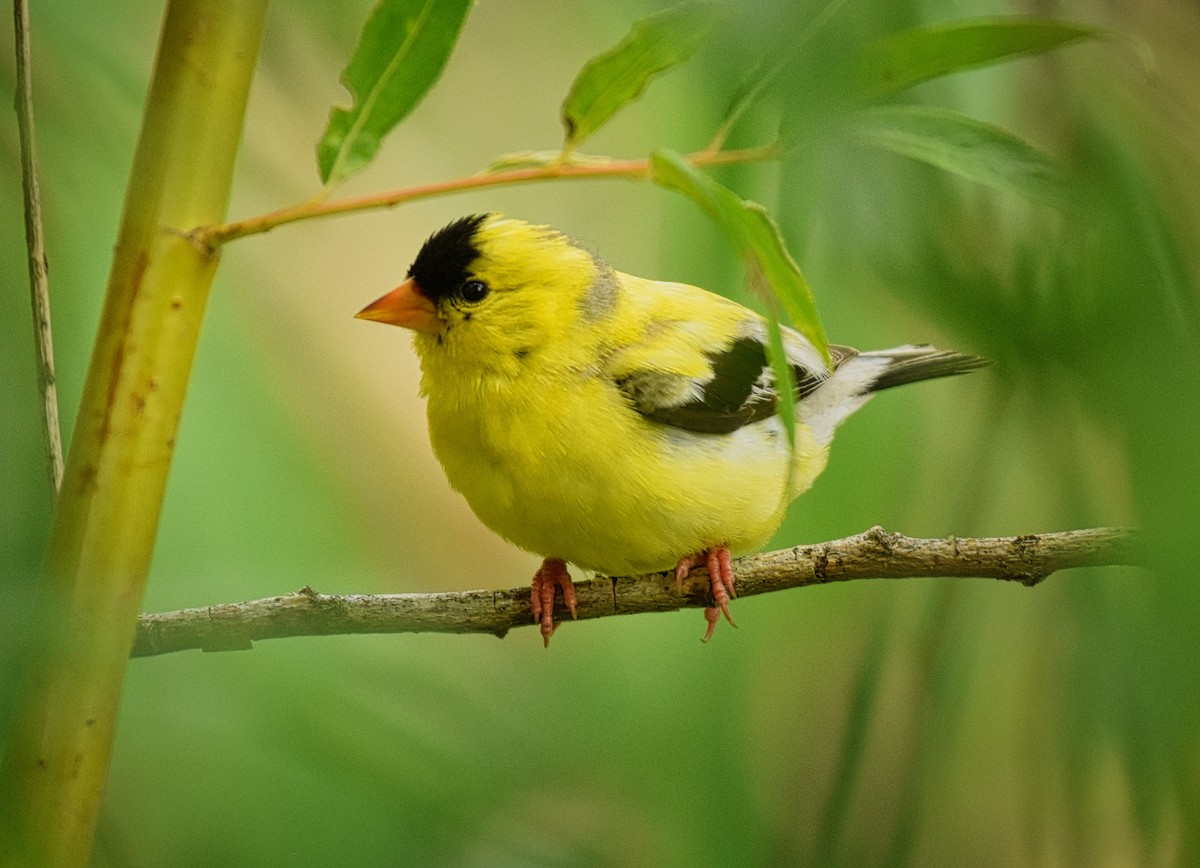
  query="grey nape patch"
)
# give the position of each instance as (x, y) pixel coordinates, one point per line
(601, 297)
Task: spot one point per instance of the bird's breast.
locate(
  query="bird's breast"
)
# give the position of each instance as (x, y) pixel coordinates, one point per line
(568, 469)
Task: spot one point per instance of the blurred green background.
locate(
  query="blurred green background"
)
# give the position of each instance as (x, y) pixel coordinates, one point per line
(910, 723)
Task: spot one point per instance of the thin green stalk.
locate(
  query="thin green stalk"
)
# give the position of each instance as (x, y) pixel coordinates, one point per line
(35, 243)
(936, 651)
(830, 832)
(934, 715)
(108, 508)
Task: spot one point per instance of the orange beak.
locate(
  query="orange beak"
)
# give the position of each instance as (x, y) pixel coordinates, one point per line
(404, 306)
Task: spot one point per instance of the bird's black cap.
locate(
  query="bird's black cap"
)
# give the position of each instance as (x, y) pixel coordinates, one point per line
(444, 261)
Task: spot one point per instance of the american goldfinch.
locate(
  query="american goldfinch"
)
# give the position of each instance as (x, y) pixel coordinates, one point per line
(620, 424)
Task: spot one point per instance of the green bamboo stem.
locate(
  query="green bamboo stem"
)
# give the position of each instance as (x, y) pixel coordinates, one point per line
(108, 509)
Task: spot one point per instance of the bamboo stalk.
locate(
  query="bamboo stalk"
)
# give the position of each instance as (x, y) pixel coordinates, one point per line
(108, 508)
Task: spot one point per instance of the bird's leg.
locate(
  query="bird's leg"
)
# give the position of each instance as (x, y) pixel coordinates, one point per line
(552, 573)
(720, 575)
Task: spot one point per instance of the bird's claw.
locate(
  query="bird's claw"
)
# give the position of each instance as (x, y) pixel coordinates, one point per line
(552, 573)
(721, 578)
(684, 567)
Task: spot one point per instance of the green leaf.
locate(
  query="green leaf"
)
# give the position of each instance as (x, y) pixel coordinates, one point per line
(750, 90)
(967, 147)
(756, 237)
(542, 159)
(775, 60)
(785, 382)
(618, 76)
(401, 52)
(909, 57)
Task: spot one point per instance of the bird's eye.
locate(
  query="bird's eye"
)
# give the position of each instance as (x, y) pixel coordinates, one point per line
(473, 290)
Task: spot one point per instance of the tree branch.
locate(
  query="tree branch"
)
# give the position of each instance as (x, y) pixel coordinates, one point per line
(874, 554)
(551, 170)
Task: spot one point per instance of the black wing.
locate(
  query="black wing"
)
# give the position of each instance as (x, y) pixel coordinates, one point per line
(741, 390)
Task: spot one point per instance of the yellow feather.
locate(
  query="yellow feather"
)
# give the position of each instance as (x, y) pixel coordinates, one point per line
(526, 421)
(621, 424)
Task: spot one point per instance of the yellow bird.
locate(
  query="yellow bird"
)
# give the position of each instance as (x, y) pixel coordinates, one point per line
(620, 424)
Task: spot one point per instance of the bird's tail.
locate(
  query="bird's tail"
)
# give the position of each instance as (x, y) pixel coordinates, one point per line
(910, 364)
(857, 376)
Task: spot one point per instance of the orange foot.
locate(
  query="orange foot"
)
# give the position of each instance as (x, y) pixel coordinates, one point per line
(552, 573)
(720, 573)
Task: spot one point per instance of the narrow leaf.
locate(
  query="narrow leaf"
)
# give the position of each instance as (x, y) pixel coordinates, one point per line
(967, 147)
(542, 159)
(618, 76)
(754, 234)
(909, 57)
(775, 60)
(750, 90)
(785, 383)
(401, 52)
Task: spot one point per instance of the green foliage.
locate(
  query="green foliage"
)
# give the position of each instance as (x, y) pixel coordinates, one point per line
(904, 724)
(618, 76)
(901, 60)
(785, 382)
(401, 52)
(758, 240)
(964, 146)
(389, 75)
(754, 235)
